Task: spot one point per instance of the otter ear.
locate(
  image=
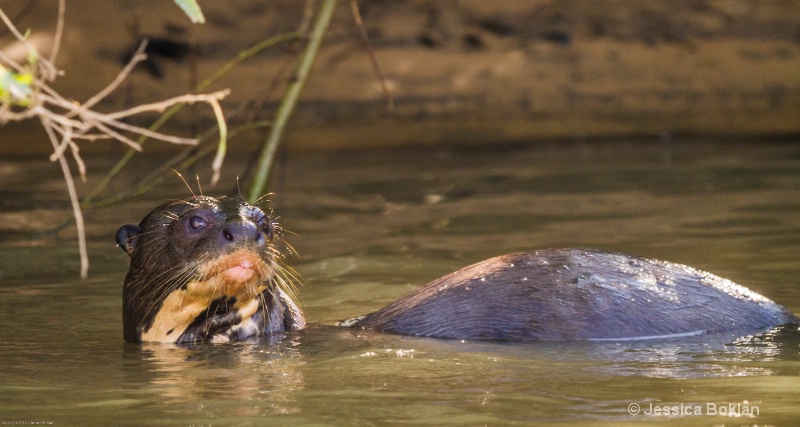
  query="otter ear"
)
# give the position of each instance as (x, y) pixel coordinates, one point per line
(127, 237)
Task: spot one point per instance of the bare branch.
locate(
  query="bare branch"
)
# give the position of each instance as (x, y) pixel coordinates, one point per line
(138, 56)
(62, 7)
(73, 147)
(93, 118)
(73, 196)
(47, 70)
(66, 121)
(13, 28)
(119, 137)
(9, 61)
(62, 146)
(41, 110)
(216, 165)
(163, 105)
(374, 61)
(92, 137)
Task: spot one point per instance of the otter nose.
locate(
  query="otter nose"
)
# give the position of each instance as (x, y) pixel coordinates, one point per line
(240, 232)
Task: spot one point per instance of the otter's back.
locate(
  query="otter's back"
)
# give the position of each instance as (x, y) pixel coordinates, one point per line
(576, 294)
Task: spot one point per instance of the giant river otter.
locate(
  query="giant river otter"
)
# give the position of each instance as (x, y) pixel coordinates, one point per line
(206, 269)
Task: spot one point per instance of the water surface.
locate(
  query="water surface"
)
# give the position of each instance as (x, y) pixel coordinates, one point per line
(371, 226)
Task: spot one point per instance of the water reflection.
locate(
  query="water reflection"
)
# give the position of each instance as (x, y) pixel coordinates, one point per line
(710, 356)
(264, 370)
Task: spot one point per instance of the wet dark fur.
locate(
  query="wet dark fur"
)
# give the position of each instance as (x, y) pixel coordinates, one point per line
(568, 294)
(559, 294)
(166, 255)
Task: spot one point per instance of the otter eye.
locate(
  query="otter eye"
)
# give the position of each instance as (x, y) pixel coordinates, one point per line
(197, 223)
(267, 227)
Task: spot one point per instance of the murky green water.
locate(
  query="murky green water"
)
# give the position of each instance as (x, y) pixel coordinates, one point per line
(370, 227)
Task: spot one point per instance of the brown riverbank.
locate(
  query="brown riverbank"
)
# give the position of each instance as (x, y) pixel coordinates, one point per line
(463, 71)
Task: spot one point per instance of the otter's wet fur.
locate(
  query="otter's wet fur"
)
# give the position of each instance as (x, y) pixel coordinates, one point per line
(206, 269)
(577, 294)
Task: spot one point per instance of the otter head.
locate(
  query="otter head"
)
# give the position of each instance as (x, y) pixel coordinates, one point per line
(203, 269)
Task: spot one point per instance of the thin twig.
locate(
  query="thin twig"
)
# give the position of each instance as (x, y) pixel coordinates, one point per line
(29, 5)
(9, 61)
(243, 55)
(137, 57)
(40, 110)
(59, 151)
(230, 65)
(47, 70)
(91, 137)
(62, 7)
(75, 150)
(216, 165)
(372, 59)
(163, 105)
(73, 197)
(13, 29)
(78, 121)
(183, 160)
(119, 137)
(103, 118)
(290, 99)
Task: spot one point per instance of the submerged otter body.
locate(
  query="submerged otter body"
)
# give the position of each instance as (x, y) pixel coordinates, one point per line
(574, 294)
(205, 269)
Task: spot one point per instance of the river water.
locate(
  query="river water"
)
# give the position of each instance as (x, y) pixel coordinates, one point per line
(370, 226)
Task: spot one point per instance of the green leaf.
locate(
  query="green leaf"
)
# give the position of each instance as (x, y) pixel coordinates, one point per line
(192, 10)
(15, 87)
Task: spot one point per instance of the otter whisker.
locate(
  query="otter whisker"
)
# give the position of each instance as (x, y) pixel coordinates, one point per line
(262, 197)
(290, 248)
(169, 216)
(239, 188)
(188, 284)
(285, 283)
(199, 186)
(176, 280)
(281, 266)
(262, 302)
(170, 285)
(184, 181)
(159, 277)
(287, 231)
